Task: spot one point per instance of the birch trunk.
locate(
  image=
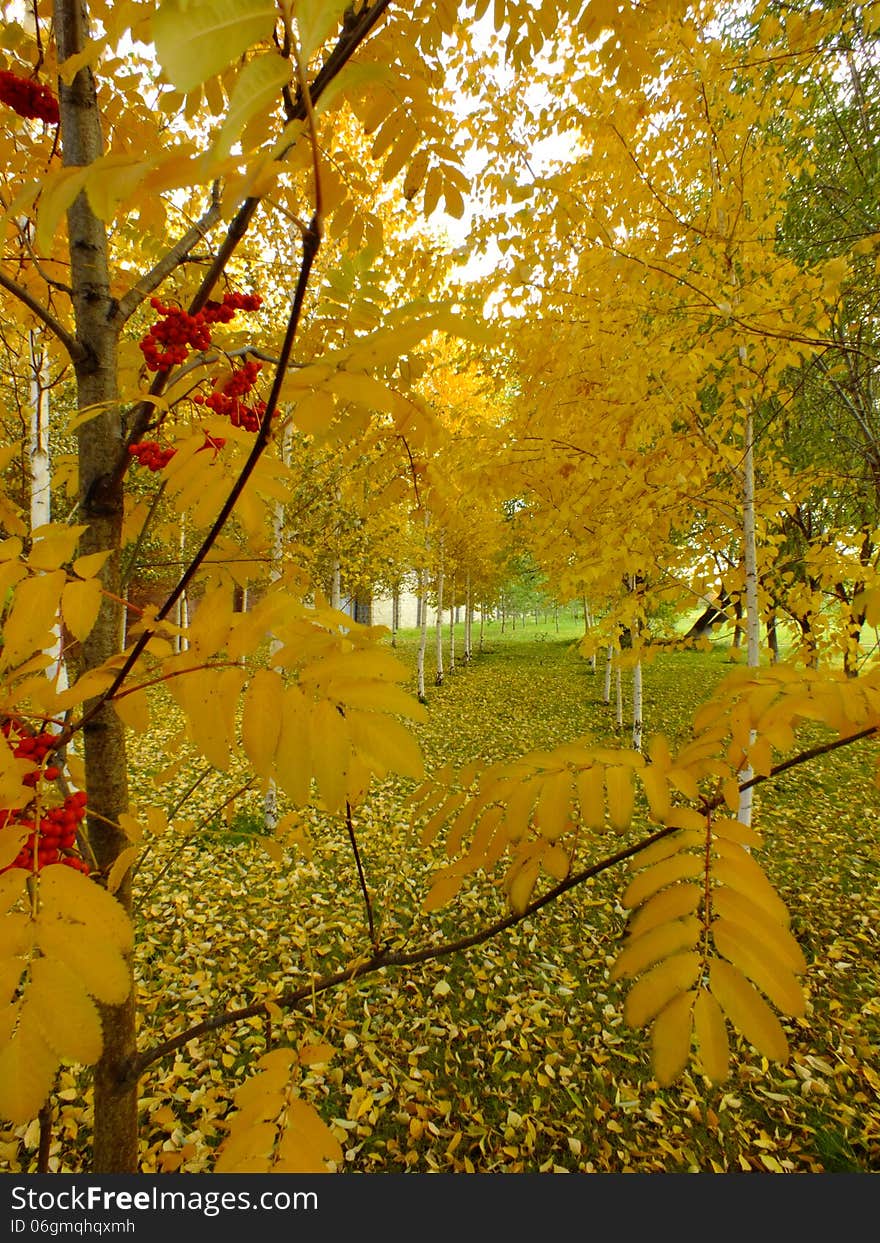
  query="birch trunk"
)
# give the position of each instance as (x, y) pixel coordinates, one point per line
(606, 690)
(41, 479)
(452, 630)
(438, 679)
(637, 707)
(750, 551)
(423, 633)
(618, 707)
(101, 510)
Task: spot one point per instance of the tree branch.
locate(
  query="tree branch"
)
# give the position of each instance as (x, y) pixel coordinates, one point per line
(151, 280)
(76, 351)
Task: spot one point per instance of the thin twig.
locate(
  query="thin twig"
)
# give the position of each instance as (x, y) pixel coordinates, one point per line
(349, 824)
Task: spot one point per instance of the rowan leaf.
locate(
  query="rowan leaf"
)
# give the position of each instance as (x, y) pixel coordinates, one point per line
(747, 1010)
(198, 39)
(671, 1039)
(711, 1034)
(654, 990)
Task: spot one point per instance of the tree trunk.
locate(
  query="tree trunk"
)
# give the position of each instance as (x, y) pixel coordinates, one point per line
(618, 707)
(423, 635)
(637, 707)
(606, 690)
(101, 510)
(438, 678)
(750, 553)
(452, 630)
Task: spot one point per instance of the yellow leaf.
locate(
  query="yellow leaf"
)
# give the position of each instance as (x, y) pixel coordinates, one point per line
(747, 1010)
(556, 862)
(735, 831)
(444, 888)
(671, 1039)
(66, 894)
(740, 871)
(331, 752)
(668, 904)
(123, 861)
(711, 1033)
(656, 789)
(293, 753)
(273, 849)
(112, 179)
(653, 991)
(315, 1054)
(619, 783)
(554, 801)
(66, 1014)
(757, 961)
(257, 89)
(591, 796)
(196, 40)
(133, 709)
(386, 742)
(307, 1143)
(679, 867)
(247, 1151)
(27, 1072)
(58, 192)
(87, 954)
(12, 838)
(261, 720)
(54, 544)
(520, 885)
(28, 627)
(643, 951)
(665, 848)
(80, 605)
(316, 20)
(741, 910)
(11, 887)
(377, 696)
(93, 563)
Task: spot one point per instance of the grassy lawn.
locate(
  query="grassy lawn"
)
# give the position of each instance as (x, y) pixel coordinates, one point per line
(513, 1057)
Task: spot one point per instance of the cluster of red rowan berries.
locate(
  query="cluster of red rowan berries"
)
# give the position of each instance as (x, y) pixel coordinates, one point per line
(28, 98)
(167, 344)
(226, 398)
(52, 838)
(52, 835)
(176, 332)
(151, 454)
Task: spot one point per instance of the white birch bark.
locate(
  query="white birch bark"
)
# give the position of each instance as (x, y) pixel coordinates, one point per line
(423, 632)
(637, 707)
(750, 552)
(41, 478)
(438, 679)
(609, 661)
(618, 707)
(452, 630)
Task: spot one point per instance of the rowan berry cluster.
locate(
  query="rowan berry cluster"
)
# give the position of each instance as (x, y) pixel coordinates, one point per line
(226, 398)
(151, 454)
(28, 98)
(52, 834)
(176, 332)
(52, 837)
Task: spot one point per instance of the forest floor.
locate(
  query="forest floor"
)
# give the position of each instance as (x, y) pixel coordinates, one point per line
(514, 1056)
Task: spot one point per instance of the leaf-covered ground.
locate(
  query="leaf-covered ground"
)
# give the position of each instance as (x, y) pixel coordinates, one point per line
(513, 1057)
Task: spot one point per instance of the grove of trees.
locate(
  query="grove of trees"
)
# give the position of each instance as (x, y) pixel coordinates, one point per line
(518, 306)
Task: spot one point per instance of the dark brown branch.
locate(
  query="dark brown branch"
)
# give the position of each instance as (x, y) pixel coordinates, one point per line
(311, 242)
(68, 340)
(349, 824)
(386, 958)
